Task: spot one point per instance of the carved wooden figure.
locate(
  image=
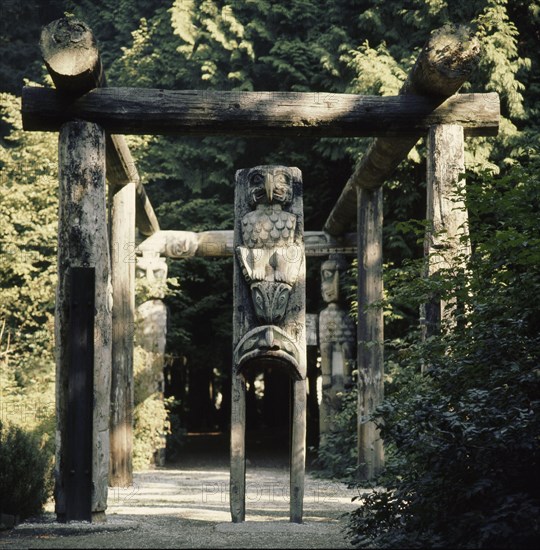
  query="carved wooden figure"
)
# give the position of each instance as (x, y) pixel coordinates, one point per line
(337, 342)
(269, 309)
(151, 331)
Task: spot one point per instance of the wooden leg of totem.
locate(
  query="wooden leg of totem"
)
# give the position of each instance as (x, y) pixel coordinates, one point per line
(298, 450)
(238, 449)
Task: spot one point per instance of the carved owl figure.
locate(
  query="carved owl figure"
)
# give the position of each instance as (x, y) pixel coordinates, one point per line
(268, 225)
(269, 252)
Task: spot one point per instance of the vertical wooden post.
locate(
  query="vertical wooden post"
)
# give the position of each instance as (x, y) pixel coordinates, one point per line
(238, 448)
(298, 450)
(122, 221)
(83, 243)
(370, 330)
(446, 243)
(80, 404)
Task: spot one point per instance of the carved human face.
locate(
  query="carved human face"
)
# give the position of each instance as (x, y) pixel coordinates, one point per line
(270, 185)
(152, 267)
(330, 281)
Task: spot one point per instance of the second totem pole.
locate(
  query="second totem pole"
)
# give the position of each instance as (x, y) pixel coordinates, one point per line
(269, 311)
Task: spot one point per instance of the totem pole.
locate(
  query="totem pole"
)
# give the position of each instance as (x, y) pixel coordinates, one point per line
(337, 343)
(269, 310)
(151, 331)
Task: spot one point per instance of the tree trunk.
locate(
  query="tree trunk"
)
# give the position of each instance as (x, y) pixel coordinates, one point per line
(70, 52)
(71, 55)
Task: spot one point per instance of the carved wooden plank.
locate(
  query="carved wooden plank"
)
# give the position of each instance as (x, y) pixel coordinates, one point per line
(444, 64)
(122, 219)
(78, 481)
(195, 112)
(71, 55)
(370, 330)
(219, 243)
(83, 242)
(446, 243)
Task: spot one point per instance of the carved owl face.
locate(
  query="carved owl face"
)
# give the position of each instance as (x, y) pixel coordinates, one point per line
(269, 185)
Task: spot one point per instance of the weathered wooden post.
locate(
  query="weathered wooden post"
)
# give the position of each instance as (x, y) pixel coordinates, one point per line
(446, 244)
(69, 50)
(269, 310)
(83, 325)
(444, 64)
(122, 223)
(337, 343)
(370, 330)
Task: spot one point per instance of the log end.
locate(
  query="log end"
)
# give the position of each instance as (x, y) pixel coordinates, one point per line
(446, 61)
(70, 52)
(454, 50)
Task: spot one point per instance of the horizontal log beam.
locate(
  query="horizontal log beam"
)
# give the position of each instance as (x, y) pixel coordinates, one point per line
(300, 114)
(186, 244)
(71, 55)
(444, 64)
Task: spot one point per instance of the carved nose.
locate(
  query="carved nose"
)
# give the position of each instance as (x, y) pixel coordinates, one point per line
(267, 342)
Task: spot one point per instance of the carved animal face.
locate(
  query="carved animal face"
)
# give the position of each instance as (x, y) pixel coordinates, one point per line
(269, 185)
(270, 300)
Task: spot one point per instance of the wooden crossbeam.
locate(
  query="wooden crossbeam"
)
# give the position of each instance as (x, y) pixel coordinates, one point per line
(300, 114)
(186, 244)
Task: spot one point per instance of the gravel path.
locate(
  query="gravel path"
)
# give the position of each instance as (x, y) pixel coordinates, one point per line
(187, 506)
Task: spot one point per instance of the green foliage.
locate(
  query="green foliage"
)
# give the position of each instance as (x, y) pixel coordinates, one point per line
(365, 46)
(462, 439)
(150, 428)
(25, 473)
(151, 423)
(28, 218)
(337, 455)
(28, 167)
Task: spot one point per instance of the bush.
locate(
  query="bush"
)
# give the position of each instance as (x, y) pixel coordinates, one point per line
(150, 429)
(338, 454)
(25, 473)
(463, 438)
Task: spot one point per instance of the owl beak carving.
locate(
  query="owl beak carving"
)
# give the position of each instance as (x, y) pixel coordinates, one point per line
(269, 187)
